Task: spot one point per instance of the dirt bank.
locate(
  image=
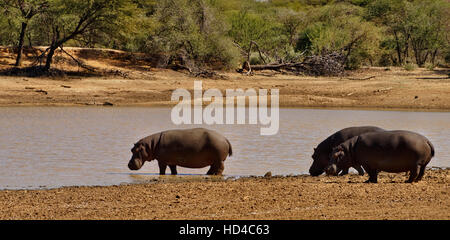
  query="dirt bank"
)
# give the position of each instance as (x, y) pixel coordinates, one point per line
(133, 82)
(297, 197)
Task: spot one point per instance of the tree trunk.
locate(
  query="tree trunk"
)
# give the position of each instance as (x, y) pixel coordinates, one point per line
(50, 57)
(433, 56)
(21, 41)
(424, 60)
(417, 55)
(399, 52)
(406, 54)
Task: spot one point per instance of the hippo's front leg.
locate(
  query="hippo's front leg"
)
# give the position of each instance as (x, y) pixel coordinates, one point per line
(216, 168)
(344, 172)
(373, 175)
(173, 169)
(360, 170)
(162, 168)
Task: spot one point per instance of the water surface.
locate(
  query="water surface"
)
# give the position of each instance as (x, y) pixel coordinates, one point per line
(45, 147)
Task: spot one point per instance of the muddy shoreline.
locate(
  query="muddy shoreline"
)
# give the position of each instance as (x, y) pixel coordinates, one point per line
(288, 197)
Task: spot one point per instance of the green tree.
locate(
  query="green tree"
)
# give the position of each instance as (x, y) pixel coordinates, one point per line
(395, 16)
(428, 33)
(341, 27)
(263, 28)
(66, 20)
(7, 27)
(193, 32)
(24, 11)
(292, 22)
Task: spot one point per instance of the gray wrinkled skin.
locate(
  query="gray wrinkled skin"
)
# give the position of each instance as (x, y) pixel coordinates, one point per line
(190, 148)
(322, 152)
(389, 151)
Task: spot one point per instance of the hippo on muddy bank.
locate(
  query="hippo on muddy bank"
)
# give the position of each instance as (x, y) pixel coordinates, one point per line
(389, 151)
(322, 152)
(190, 148)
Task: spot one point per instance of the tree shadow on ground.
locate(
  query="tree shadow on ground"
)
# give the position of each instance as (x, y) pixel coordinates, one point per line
(40, 71)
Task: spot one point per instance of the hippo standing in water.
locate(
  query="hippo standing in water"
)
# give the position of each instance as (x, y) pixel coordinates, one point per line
(190, 148)
(322, 152)
(390, 151)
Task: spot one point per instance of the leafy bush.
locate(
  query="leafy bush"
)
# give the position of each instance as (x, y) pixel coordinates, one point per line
(430, 66)
(191, 31)
(410, 66)
(341, 28)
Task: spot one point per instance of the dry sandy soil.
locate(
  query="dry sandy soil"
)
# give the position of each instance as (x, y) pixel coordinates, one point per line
(296, 197)
(134, 82)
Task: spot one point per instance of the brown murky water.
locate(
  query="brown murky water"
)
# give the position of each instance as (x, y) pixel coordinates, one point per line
(45, 147)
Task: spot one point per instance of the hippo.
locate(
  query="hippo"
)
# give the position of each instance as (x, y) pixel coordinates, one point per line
(190, 148)
(322, 152)
(389, 151)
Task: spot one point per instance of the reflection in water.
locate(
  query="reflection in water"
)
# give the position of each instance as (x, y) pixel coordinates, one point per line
(55, 146)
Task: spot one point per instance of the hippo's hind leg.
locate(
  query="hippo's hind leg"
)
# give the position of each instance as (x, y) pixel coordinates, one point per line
(216, 168)
(421, 173)
(173, 169)
(414, 174)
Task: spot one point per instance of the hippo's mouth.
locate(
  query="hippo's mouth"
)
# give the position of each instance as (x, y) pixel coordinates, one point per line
(315, 173)
(135, 164)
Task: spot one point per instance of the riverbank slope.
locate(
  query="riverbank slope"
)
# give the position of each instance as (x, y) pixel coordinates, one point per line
(131, 81)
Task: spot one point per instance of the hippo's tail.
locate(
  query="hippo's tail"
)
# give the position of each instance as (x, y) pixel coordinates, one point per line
(230, 150)
(432, 148)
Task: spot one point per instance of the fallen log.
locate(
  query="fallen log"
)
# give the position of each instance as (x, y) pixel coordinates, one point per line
(316, 65)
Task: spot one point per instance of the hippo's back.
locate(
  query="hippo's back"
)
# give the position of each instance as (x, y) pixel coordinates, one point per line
(323, 150)
(196, 147)
(395, 139)
(343, 135)
(394, 150)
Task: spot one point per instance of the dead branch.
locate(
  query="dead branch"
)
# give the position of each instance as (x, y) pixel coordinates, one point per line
(240, 48)
(40, 57)
(259, 51)
(77, 61)
(366, 78)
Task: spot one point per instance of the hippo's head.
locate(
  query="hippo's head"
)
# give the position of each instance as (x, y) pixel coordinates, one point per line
(141, 153)
(320, 162)
(338, 159)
